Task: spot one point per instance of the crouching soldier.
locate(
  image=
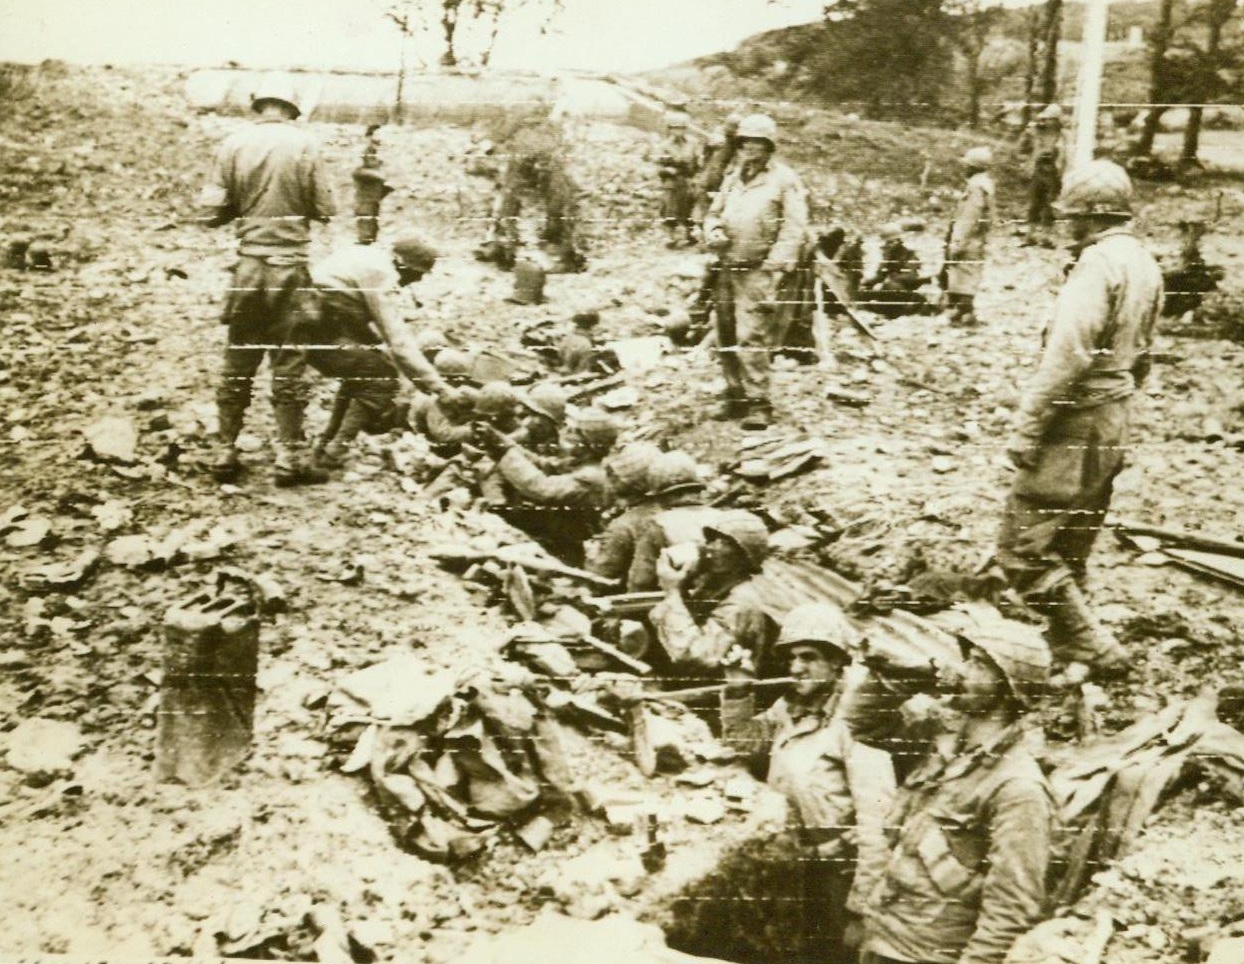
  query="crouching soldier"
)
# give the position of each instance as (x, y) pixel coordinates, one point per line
(839, 790)
(629, 473)
(972, 828)
(681, 517)
(561, 510)
(892, 291)
(355, 333)
(711, 614)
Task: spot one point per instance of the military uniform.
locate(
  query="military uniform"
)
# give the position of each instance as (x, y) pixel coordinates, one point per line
(1046, 139)
(965, 248)
(697, 626)
(1075, 412)
(268, 179)
(536, 165)
(971, 845)
(765, 216)
(669, 526)
(679, 160)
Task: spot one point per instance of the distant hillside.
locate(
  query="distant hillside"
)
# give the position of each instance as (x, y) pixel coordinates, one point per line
(771, 64)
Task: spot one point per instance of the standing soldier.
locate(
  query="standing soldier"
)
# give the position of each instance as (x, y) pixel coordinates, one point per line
(1045, 140)
(973, 827)
(1071, 431)
(839, 789)
(678, 163)
(965, 244)
(758, 226)
(269, 179)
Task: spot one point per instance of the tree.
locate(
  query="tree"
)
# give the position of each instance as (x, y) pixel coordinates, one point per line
(466, 31)
(1032, 21)
(891, 55)
(1210, 81)
(972, 23)
(1052, 32)
(1158, 45)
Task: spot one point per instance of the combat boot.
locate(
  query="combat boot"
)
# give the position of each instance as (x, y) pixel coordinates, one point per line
(1076, 636)
(293, 464)
(332, 453)
(225, 465)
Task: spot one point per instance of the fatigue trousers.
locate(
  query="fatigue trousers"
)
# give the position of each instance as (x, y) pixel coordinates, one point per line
(1056, 508)
(677, 201)
(1042, 193)
(262, 310)
(746, 330)
(369, 380)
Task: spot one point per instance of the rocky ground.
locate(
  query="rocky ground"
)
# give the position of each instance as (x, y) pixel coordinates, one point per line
(102, 861)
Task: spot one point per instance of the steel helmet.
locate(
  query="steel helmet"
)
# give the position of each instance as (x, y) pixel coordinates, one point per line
(596, 429)
(759, 127)
(496, 398)
(674, 472)
(414, 253)
(818, 624)
(1017, 649)
(461, 400)
(891, 230)
(631, 469)
(1098, 187)
(452, 363)
(746, 531)
(1050, 112)
(278, 87)
(548, 400)
(978, 157)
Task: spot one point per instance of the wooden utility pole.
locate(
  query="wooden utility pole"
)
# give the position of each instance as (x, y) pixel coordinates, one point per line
(1088, 89)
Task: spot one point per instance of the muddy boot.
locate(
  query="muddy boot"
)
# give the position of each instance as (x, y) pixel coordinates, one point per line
(225, 465)
(1076, 636)
(293, 465)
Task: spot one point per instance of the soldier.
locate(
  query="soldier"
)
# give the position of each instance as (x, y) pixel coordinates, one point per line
(678, 164)
(1071, 431)
(719, 155)
(678, 494)
(839, 789)
(972, 828)
(536, 164)
(711, 614)
(456, 367)
(269, 179)
(545, 416)
(355, 333)
(448, 422)
(758, 227)
(891, 290)
(559, 509)
(630, 478)
(1045, 140)
(969, 232)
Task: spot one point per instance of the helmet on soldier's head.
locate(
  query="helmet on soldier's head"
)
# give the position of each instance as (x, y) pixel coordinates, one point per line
(821, 625)
(414, 254)
(496, 398)
(453, 364)
(1019, 653)
(276, 87)
(978, 158)
(1098, 187)
(1050, 112)
(462, 401)
(759, 127)
(674, 472)
(596, 429)
(630, 470)
(548, 400)
(746, 531)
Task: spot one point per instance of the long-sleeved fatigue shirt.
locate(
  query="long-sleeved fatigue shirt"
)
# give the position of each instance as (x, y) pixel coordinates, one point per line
(736, 618)
(615, 549)
(833, 782)
(669, 527)
(680, 154)
(360, 283)
(973, 218)
(268, 177)
(765, 218)
(1097, 343)
(584, 487)
(966, 875)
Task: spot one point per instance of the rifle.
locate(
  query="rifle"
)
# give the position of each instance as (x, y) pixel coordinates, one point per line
(696, 692)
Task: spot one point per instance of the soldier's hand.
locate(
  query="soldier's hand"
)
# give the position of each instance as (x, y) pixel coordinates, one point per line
(490, 439)
(1021, 452)
(670, 573)
(739, 682)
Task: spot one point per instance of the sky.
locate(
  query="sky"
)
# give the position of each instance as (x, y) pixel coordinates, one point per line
(604, 35)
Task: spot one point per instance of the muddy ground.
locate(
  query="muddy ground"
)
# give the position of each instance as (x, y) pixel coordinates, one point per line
(101, 861)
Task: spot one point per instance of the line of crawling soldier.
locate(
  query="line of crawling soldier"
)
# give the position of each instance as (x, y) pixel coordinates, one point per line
(932, 857)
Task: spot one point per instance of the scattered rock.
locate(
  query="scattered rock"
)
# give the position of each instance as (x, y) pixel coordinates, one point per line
(113, 439)
(43, 749)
